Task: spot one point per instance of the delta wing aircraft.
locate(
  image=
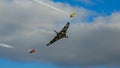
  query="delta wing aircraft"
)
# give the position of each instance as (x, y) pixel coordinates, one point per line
(59, 35)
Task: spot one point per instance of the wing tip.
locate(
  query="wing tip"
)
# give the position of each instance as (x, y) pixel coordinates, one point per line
(47, 44)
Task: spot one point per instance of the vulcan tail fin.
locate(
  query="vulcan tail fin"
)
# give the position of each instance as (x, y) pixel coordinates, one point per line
(55, 31)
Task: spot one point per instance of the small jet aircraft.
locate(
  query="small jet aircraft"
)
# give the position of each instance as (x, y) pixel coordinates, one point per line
(72, 15)
(59, 35)
(32, 51)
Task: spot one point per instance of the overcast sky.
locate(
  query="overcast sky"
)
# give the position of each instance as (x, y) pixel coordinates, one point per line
(93, 38)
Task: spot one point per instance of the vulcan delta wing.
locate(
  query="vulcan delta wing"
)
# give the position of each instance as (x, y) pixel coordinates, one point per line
(59, 35)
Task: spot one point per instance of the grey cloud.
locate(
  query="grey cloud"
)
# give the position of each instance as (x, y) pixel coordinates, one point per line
(89, 44)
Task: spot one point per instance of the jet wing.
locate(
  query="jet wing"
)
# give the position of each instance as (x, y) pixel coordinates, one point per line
(53, 40)
(64, 30)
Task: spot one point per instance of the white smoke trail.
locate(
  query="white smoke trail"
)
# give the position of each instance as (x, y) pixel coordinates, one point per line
(49, 6)
(5, 45)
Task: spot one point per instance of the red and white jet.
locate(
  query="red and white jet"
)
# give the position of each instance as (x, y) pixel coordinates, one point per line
(32, 51)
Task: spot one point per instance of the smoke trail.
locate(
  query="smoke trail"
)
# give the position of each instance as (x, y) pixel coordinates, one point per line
(49, 6)
(5, 45)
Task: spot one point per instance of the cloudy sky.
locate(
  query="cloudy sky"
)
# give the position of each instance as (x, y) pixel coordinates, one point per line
(94, 34)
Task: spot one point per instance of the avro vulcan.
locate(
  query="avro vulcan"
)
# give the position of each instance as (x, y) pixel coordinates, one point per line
(60, 35)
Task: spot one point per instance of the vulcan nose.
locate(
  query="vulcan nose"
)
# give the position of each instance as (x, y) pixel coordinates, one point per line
(68, 23)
